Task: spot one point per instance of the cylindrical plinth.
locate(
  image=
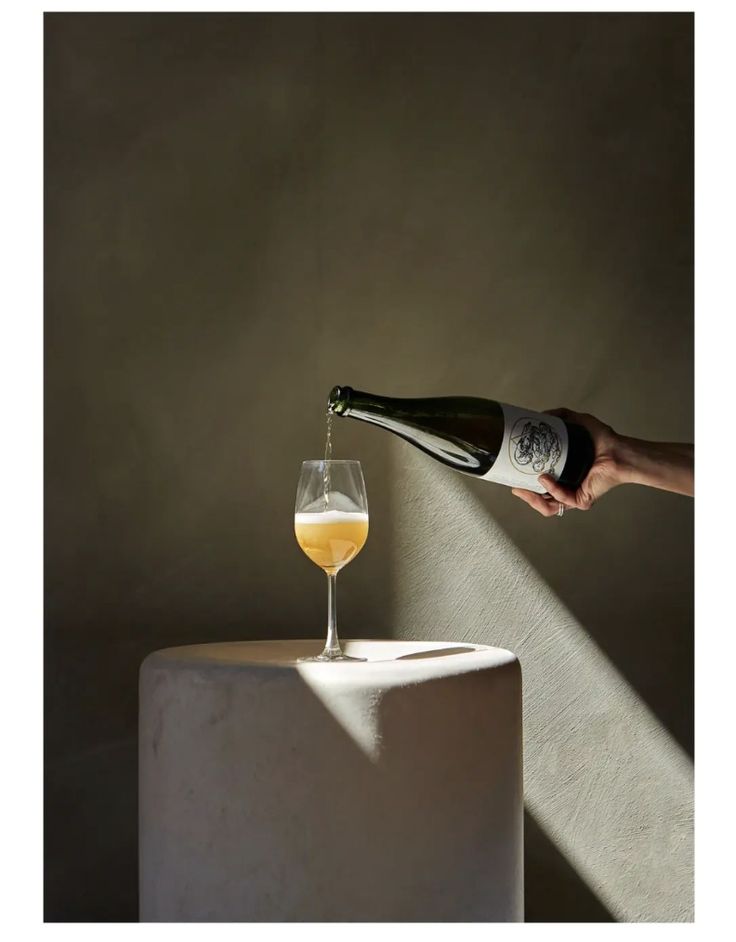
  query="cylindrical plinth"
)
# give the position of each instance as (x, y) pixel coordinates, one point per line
(272, 790)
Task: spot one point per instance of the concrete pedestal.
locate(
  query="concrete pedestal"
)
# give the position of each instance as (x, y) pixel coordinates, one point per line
(277, 791)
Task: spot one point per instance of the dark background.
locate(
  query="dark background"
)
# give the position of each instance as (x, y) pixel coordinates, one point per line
(243, 210)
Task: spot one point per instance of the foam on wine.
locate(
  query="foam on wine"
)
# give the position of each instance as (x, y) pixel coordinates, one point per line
(331, 517)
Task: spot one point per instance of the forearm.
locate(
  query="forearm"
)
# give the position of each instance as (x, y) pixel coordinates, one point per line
(668, 466)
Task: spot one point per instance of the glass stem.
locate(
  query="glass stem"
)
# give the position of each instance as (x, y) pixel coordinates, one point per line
(332, 648)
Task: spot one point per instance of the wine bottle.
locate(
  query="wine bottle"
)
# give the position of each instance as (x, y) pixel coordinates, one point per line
(481, 437)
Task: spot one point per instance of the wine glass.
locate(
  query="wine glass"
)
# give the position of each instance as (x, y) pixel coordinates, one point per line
(331, 526)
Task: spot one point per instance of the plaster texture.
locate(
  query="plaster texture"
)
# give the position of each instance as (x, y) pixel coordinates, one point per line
(277, 791)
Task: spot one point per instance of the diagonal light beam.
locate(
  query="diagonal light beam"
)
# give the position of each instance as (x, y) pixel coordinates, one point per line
(607, 781)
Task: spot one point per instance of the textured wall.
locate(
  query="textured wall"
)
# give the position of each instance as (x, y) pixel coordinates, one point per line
(242, 211)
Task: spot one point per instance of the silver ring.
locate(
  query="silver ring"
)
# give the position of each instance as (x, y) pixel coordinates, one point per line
(560, 510)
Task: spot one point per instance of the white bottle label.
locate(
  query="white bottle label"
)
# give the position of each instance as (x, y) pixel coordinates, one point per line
(534, 443)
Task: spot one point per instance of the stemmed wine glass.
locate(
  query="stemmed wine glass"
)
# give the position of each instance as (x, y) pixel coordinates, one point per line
(331, 526)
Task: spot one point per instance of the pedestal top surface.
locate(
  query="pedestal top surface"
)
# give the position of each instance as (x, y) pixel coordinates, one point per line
(407, 659)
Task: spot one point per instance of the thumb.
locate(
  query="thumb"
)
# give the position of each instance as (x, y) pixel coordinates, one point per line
(563, 495)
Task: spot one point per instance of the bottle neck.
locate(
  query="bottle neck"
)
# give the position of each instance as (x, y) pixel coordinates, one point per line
(346, 401)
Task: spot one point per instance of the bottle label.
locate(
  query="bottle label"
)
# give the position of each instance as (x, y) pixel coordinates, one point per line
(534, 443)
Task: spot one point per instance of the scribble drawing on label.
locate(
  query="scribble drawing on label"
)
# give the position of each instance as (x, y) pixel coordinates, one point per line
(534, 447)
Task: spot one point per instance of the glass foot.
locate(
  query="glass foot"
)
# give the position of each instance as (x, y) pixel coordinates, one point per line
(322, 658)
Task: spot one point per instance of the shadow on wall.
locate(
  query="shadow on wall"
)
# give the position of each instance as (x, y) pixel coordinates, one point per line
(603, 779)
(91, 833)
(553, 890)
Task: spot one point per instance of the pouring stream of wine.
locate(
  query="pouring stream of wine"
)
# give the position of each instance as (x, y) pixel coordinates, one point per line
(328, 455)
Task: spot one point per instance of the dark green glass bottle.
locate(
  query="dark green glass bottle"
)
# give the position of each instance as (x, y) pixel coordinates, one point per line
(482, 437)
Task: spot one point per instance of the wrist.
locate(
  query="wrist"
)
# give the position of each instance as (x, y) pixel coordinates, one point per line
(628, 460)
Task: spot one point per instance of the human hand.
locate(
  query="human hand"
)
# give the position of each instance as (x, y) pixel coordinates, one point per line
(604, 474)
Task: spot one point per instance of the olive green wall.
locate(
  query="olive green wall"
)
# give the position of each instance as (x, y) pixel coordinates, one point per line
(241, 211)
